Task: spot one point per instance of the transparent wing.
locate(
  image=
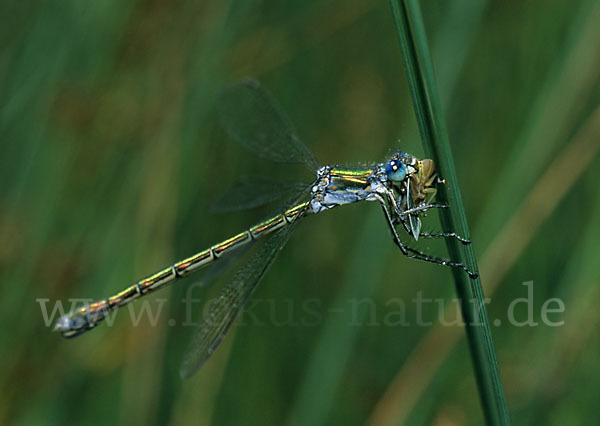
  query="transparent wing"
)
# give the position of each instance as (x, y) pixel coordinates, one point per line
(249, 193)
(219, 268)
(253, 117)
(225, 262)
(224, 309)
(413, 218)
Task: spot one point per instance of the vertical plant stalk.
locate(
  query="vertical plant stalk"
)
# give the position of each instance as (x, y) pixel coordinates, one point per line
(419, 70)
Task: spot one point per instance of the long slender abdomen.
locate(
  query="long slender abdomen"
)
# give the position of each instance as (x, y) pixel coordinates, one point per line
(88, 316)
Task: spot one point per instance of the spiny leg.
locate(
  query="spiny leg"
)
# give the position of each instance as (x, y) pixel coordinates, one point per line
(421, 208)
(431, 235)
(445, 235)
(415, 254)
(424, 207)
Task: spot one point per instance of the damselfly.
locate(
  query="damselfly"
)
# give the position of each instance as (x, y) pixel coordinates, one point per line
(404, 187)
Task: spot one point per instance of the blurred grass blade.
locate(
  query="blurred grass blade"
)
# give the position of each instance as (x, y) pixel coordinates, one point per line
(573, 76)
(329, 358)
(452, 41)
(419, 69)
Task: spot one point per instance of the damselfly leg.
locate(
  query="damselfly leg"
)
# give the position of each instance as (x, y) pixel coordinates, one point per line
(445, 235)
(422, 234)
(400, 216)
(416, 254)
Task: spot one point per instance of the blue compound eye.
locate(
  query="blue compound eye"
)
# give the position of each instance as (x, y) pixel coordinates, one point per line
(396, 170)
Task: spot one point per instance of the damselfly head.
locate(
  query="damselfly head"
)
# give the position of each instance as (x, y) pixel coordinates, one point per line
(400, 166)
(395, 170)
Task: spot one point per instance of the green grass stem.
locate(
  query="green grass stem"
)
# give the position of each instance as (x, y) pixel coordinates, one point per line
(430, 118)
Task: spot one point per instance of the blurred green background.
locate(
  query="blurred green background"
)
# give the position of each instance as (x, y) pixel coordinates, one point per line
(111, 157)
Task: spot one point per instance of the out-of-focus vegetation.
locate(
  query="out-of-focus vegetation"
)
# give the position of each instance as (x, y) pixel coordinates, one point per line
(111, 156)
